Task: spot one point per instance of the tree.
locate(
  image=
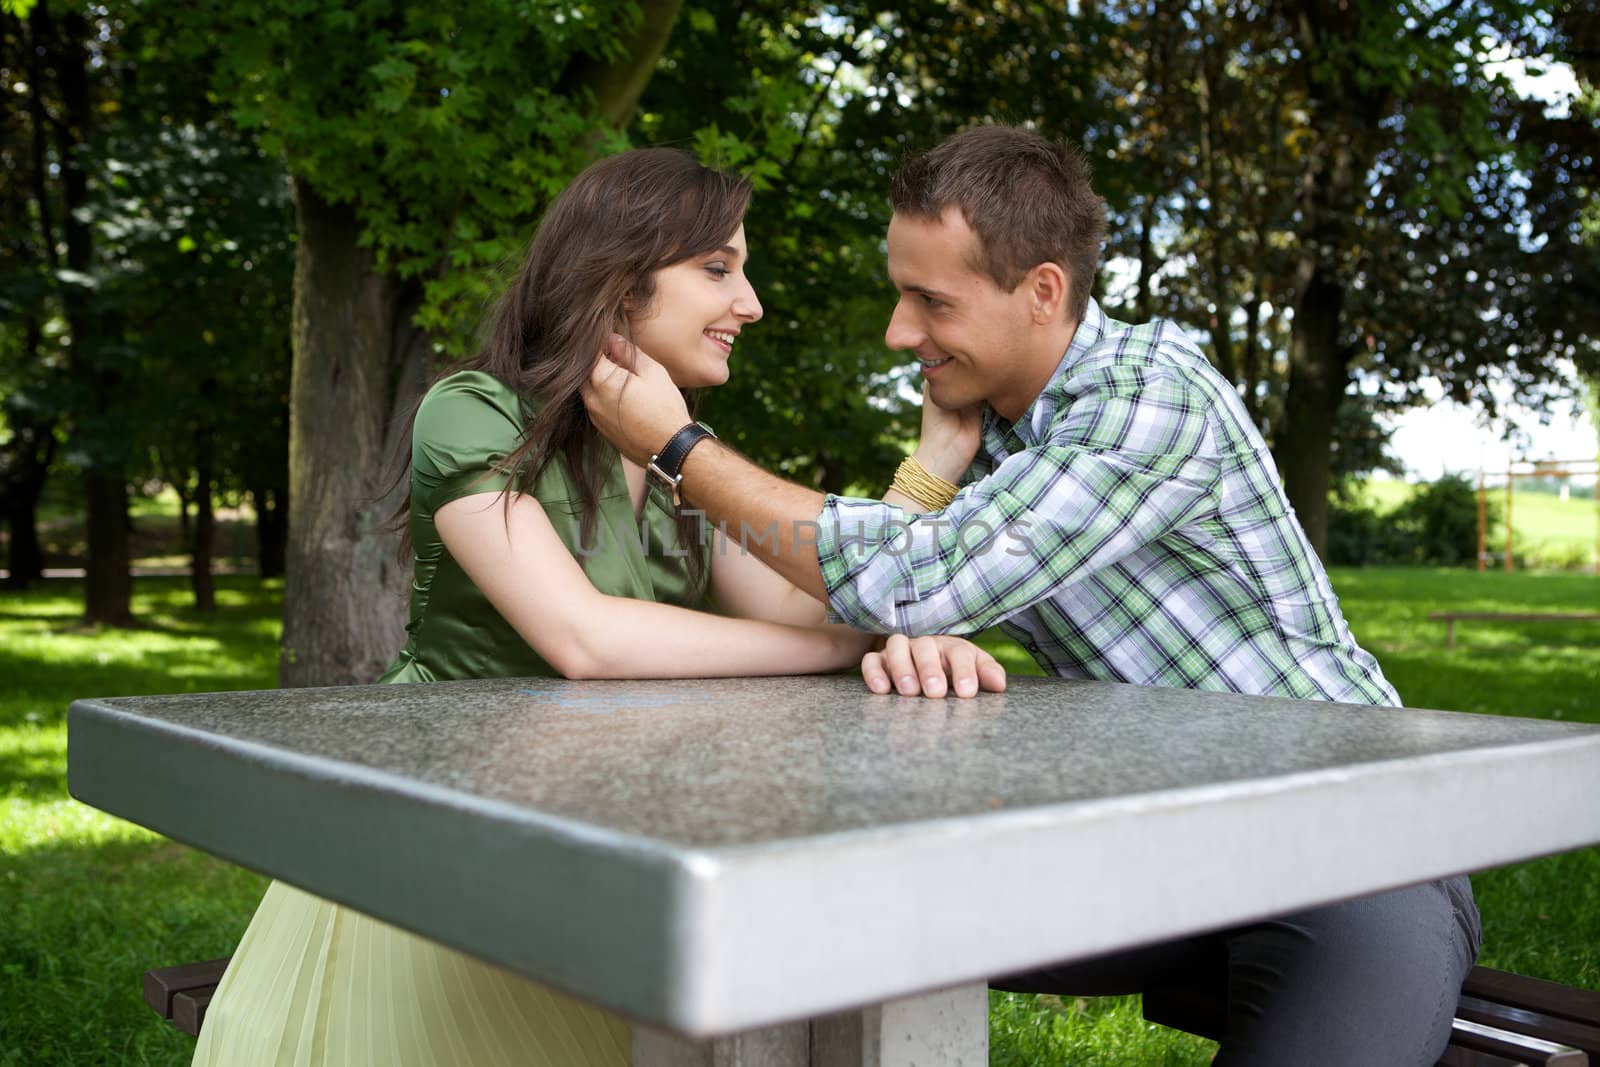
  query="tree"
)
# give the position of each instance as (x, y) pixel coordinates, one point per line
(1352, 191)
(1418, 251)
(421, 142)
(31, 355)
(196, 258)
(55, 61)
(145, 278)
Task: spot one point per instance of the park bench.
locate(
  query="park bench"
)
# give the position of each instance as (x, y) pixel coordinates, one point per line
(1450, 618)
(181, 994)
(1501, 1020)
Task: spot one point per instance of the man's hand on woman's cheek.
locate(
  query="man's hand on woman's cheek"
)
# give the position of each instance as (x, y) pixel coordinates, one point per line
(633, 401)
(932, 666)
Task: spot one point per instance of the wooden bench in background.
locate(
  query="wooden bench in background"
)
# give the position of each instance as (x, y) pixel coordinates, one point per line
(1450, 618)
(1502, 1020)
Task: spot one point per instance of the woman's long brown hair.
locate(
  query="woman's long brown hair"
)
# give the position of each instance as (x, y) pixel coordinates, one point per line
(591, 267)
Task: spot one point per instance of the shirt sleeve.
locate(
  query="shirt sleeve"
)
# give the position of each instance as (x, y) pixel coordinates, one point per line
(465, 429)
(1131, 460)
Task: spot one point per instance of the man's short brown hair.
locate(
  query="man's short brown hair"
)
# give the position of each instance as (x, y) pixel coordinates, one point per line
(1027, 198)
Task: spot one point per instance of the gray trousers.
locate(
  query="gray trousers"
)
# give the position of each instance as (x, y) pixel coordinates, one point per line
(1366, 983)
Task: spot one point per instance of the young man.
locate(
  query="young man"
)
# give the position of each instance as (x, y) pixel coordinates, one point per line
(1120, 517)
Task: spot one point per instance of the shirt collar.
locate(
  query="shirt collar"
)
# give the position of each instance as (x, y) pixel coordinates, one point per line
(1002, 438)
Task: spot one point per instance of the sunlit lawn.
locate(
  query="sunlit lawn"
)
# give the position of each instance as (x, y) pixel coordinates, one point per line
(89, 902)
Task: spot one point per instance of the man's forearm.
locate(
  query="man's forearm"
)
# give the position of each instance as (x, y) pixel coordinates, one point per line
(761, 513)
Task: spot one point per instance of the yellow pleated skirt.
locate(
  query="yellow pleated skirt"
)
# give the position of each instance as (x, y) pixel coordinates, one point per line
(314, 984)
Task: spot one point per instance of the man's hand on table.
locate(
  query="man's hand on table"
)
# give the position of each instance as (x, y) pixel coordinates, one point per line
(932, 666)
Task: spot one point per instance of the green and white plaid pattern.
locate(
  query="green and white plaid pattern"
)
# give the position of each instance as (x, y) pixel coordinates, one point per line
(1129, 528)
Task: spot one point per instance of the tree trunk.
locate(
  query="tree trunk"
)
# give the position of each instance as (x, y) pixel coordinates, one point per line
(1147, 223)
(1251, 368)
(24, 560)
(108, 586)
(272, 531)
(1318, 374)
(180, 486)
(32, 447)
(1346, 105)
(617, 84)
(1222, 351)
(200, 580)
(358, 365)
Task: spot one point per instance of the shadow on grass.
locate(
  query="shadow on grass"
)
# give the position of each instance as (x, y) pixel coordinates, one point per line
(84, 922)
(167, 618)
(54, 618)
(45, 688)
(22, 774)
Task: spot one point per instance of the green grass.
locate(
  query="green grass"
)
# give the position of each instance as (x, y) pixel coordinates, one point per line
(1543, 670)
(89, 902)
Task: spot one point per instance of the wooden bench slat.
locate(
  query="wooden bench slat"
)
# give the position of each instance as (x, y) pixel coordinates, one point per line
(189, 1010)
(1535, 994)
(1525, 1021)
(164, 983)
(1456, 1056)
(1520, 1048)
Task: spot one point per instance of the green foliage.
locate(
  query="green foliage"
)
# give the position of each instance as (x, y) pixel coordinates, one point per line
(1435, 525)
(1362, 158)
(1444, 516)
(445, 126)
(1359, 535)
(195, 257)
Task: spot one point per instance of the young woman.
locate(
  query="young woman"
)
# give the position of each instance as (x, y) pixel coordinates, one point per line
(539, 551)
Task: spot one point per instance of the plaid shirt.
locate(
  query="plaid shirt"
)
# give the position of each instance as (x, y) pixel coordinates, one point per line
(1129, 528)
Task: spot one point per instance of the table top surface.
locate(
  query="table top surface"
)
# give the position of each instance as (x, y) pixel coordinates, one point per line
(654, 845)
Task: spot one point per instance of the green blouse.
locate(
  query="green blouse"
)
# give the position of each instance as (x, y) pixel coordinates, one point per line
(466, 427)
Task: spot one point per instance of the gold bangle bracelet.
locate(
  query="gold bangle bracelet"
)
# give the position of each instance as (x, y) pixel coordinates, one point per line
(922, 485)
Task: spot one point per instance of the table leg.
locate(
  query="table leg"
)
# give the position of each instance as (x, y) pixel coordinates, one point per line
(949, 1028)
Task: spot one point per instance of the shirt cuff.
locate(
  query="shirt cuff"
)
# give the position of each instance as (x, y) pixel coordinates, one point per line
(863, 552)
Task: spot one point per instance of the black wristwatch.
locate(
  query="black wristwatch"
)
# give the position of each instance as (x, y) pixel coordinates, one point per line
(666, 466)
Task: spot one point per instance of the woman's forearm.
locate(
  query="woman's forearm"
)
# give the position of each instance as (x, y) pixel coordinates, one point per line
(641, 639)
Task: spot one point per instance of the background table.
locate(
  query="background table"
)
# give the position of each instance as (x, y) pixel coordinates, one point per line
(712, 857)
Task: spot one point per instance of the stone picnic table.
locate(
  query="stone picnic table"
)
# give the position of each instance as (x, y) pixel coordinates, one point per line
(794, 871)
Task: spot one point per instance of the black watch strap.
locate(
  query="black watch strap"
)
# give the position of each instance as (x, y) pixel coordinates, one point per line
(666, 466)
